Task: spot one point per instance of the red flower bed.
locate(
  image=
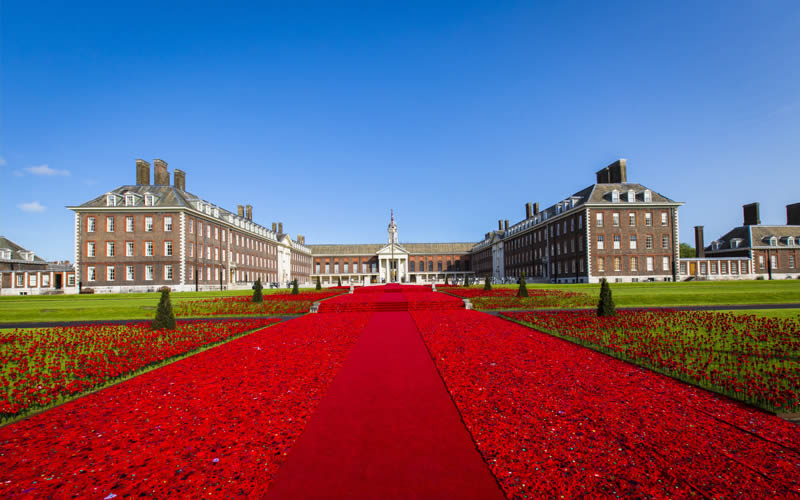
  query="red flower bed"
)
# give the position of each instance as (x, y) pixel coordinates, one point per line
(274, 303)
(44, 366)
(506, 298)
(392, 297)
(217, 424)
(554, 419)
(750, 358)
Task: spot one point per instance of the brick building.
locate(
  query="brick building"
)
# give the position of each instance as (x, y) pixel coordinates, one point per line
(764, 251)
(22, 272)
(612, 229)
(142, 236)
(391, 262)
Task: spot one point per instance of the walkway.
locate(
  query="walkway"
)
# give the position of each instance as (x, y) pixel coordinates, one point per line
(387, 427)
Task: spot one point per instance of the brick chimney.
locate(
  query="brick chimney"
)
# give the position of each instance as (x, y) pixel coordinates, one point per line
(528, 210)
(161, 174)
(615, 173)
(536, 208)
(280, 227)
(142, 173)
(499, 225)
(699, 246)
(240, 210)
(301, 239)
(180, 179)
(274, 227)
(793, 214)
(506, 224)
(248, 212)
(751, 215)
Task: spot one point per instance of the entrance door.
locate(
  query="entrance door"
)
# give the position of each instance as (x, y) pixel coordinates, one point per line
(59, 277)
(692, 268)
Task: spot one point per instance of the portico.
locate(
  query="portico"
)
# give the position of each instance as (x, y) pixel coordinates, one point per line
(393, 264)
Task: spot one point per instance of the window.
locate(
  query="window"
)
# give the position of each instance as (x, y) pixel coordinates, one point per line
(21, 279)
(631, 196)
(439, 266)
(580, 224)
(664, 241)
(128, 249)
(648, 219)
(631, 219)
(713, 268)
(168, 223)
(109, 224)
(665, 264)
(111, 200)
(191, 225)
(723, 267)
(216, 253)
(148, 272)
(317, 268)
(599, 219)
(168, 248)
(129, 200)
(744, 268)
(664, 219)
(90, 224)
(191, 250)
(208, 233)
(216, 233)
(761, 262)
(648, 196)
(791, 261)
(90, 249)
(617, 263)
(615, 219)
(110, 273)
(773, 261)
(703, 268)
(773, 241)
(649, 242)
(71, 280)
(109, 248)
(617, 239)
(633, 242)
(149, 200)
(46, 280)
(601, 265)
(327, 268)
(148, 224)
(649, 263)
(168, 272)
(615, 196)
(128, 224)
(91, 275)
(600, 242)
(208, 255)
(148, 248)
(634, 263)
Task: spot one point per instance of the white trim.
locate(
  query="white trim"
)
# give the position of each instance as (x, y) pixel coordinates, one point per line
(182, 269)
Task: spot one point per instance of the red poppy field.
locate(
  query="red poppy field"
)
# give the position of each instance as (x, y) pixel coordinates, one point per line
(273, 304)
(554, 419)
(506, 298)
(753, 359)
(44, 366)
(217, 424)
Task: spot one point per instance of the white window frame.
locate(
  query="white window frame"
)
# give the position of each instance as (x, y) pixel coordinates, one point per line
(91, 273)
(148, 272)
(167, 223)
(110, 273)
(91, 224)
(148, 224)
(110, 224)
(130, 273)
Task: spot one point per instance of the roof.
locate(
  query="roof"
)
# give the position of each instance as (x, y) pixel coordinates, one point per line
(372, 248)
(760, 234)
(18, 253)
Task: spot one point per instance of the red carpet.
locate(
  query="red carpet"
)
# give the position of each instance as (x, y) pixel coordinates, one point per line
(387, 428)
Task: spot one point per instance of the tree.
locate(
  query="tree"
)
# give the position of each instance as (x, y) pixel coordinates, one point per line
(319, 285)
(523, 290)
(295, 289)
(165, 318)
(687, 251)
(486, 284)
(606, 307)
(339, 281)
(257, 295)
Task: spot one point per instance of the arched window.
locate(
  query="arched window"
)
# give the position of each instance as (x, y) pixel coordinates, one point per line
(430, 266)
(773, 241)
(411, 266)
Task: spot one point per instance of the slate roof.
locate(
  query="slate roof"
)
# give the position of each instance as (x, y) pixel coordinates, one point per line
(17, 251)
(757, 236)
(372, 248)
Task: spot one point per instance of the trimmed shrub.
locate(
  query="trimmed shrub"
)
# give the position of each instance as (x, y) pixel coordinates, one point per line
(295, 289)
(257, 295)
(523, 290)
(165, 318)
(446, 279)
(486, 284)
(319, 284)
(339, 281)
(466, 280)
(606, 307)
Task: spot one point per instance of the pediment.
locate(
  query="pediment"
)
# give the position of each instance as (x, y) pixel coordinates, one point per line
(389, 249)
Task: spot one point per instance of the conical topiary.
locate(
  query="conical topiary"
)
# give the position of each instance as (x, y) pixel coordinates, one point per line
(257, 295)
(446, 279)
(523, 290)
(466, 280)
(486, 284)
(606, 307)
(165, 318)
(339, 281)
(319, 285)
(295, 289)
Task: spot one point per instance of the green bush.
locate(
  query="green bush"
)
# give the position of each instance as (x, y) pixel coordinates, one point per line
(165, 318)
(446, 279)
(466, 280)
(606, 307)
(523, 290)
(257, 295)
(339, 281)
(486, 284)
(295, 289)
(319, 284)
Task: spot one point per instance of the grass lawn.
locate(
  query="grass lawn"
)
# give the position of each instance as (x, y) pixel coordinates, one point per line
(33, 308)
(689, 293)
(769, 313)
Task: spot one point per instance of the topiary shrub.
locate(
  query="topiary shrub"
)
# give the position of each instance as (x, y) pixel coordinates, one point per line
(339, 281)
(486, 284)
(319, 284)
(606, 307)
(466, 280)
(257, 295)
(165, 318)
(523, 290)
(295, 289)
(446, 279)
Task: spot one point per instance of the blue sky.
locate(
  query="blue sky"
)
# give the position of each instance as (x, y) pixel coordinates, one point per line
(326, 115)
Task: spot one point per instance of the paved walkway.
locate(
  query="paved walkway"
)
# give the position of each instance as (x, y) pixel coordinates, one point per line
(387, 428)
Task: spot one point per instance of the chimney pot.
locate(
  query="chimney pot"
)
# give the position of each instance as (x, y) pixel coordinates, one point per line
(616, 173)
(528, 210)
(536, 208)
(180, 179)
(700, 247)
(506, 224)
(793, 214)
(240, 210)
(280, 227)
(161, 174)
(142, 173)
(751, 214)
(500, 225)
(248, 210)
(274, 227)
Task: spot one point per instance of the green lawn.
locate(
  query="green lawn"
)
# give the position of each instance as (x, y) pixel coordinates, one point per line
(769, 313)
(691, 293)
(99, 306)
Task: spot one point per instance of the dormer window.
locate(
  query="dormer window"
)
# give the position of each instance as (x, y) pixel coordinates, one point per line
(735, 242)
(615, 196)
(27, 256)
(200, 206)
(790, 241)
(716, 245)
(5, 253)
(149, 200)
(216, 212)
(111, 200)
(773, 241)
(648, 196)
(631, 196)
(129, 200)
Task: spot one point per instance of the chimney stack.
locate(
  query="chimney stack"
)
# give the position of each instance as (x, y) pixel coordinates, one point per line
(536, 208)
(751, 215)
(180, 179)
(274, 228)
(142, 173)
(161, 174)
(700, 247)
(616, 173)
(499, 225)
(248, 211)
(301, 239)
(506, 224)
(240, 210)
(280, 227)
(793, 215)
(528, 210)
